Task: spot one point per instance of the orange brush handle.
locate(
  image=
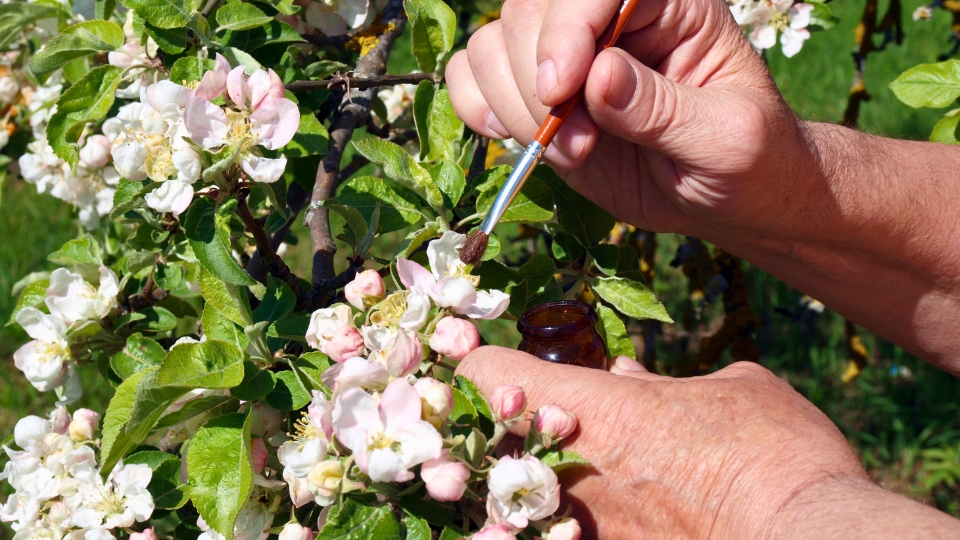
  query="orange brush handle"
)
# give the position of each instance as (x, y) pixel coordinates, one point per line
(550, 127)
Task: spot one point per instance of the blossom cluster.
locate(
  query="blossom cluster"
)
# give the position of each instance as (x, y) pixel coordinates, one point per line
(764, 19)
(59, 489)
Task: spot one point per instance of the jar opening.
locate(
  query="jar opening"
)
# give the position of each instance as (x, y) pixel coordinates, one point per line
(557, 319)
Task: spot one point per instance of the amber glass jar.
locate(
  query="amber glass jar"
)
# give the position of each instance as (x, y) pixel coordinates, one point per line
(563, 332)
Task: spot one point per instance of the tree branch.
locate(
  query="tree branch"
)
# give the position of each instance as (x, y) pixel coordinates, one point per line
(297, 198)
(360, 82)
(352, 112)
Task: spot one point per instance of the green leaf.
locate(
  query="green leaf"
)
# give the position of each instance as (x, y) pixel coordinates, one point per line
(534, 203)
(437, 124)
(129, 195)
(311, 366)
(606, 257)
(400, 166)
(226, 298)
(276, 303)
(311, 138)
(75, 42)
(236, 15)
(451, 533)
(587, 222)
(539, 272)
(398, 209)
(150, 401)
(559, 460)
(218, 327)
(196, 407)
(138, 354)
(190, 69)
(165, 487)
(929, 85)
(289, 393)
(433, 28)
(292, 328)
(822, 16)
(565, 247)
(417, 528)
(946, 130)
(115, 441)
(15, 16)
(88, 100)
(220, 471)
(323, 69)
(33, 295)
(157, 319)
(164, 13)
(256, 383)
(208, 230)
(464, 412)
(354, 520)
(170, 40)
(415, 239)
(269, 34)
(475, 396)
(614, 334)
(450, 179)
(82, 255)
(211, 364)
(494, 275)
(355, 221)
(104, 9)
(632, 298)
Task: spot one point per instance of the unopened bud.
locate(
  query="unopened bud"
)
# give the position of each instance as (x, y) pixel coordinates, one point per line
(84, 425)
(508, 401)
(295, 531)
(436, 399)
(554, 423)
(565, 529)
(325, 479)
(146, 534)
(455, 338)
(365, 290)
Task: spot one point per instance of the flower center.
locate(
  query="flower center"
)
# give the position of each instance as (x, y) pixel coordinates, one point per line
(107, 502)
(391, 311)
(779, 21)
(52, 350)
(239, 130)
(381, 442)
(305, 430)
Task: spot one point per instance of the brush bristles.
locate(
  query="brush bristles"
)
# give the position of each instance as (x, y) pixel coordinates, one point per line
(473, 249)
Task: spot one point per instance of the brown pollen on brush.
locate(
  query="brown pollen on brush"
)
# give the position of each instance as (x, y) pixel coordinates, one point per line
(473, 249)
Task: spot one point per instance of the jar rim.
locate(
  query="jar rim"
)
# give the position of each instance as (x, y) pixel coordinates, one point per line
(584, 318)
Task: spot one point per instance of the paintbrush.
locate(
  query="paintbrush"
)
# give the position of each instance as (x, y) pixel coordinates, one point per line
(473, 249)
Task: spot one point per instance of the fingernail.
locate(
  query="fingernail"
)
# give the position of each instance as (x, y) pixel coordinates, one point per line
(494, 124)
(623, 83)
(546, 79)
(628, 364)
(573, 140)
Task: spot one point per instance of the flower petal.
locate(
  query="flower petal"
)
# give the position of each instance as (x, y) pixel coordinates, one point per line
(172, 196)
(214, 82)
(489, 305)
(264, 170)
(413, 275)
(206, 123)
(276, 122)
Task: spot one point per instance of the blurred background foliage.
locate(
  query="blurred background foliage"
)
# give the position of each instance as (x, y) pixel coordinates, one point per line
(902, 415)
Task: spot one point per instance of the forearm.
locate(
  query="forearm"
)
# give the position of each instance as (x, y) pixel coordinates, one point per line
(839, 508)
(875, 237)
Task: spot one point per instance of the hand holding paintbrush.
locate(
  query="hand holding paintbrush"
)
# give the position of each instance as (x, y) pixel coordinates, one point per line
(473, 249)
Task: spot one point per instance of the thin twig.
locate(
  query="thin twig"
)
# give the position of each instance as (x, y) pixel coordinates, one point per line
(326, 41)
(297, 199)
(362, 83)
(351, 113)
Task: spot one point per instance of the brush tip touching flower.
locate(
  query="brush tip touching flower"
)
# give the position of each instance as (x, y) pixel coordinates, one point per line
(473, 249)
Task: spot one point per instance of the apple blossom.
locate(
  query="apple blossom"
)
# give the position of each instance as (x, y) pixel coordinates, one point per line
(508, 401)
(765, 18)
(324, 324)
(146, 534)
(295, 531)
(96, 151)
(565, 529)
(266, 421)
(43, 360)
(119, 501)
(324, 481)
(365, 290)
(493, 532)
(445, 478)
(455, 338)
(397, 100)
(403, 356)
(9, 88)
(84, 425)
(41, 166)
(554, 423)
(360, 372)
(387, 438)
(346, 342)
(72, 299)
(333, 17)
(436, 400)
(521, 490)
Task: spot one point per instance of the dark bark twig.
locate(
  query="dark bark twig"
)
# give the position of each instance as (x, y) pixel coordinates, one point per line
(361, 82)
(352, 112)
(297, 198)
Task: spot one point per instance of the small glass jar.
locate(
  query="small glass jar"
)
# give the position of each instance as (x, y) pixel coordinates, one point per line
(563, 332)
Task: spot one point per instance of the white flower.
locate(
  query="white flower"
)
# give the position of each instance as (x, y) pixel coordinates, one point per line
(119, 502)
(72, 299)
(332, 17)
(9, 88)
(521, 490)
(43, 360)
(397, 100)
(363, 373)
(387, 438)
(324, 481)
(923, 13)
(41, 166)
(765, 18)
(324, 324)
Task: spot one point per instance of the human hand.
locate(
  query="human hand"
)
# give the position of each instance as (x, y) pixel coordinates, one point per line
(734, 454)
(702, 137)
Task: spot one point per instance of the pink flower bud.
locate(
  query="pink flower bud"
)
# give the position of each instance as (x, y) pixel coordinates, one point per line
(146, 534)
(446, 479)
(365, 290)
(554, 422)
(96, 152)
(295, 531)
(455, 338)
(404, 355)
(346, 343)
(60, 420)
(84, 425)
(494, 532)
(258, 454)
(565, 529)
(508, 401)
(436, 399)
(266, 421)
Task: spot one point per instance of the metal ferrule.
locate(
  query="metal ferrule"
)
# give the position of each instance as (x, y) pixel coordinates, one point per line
(512, 186)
